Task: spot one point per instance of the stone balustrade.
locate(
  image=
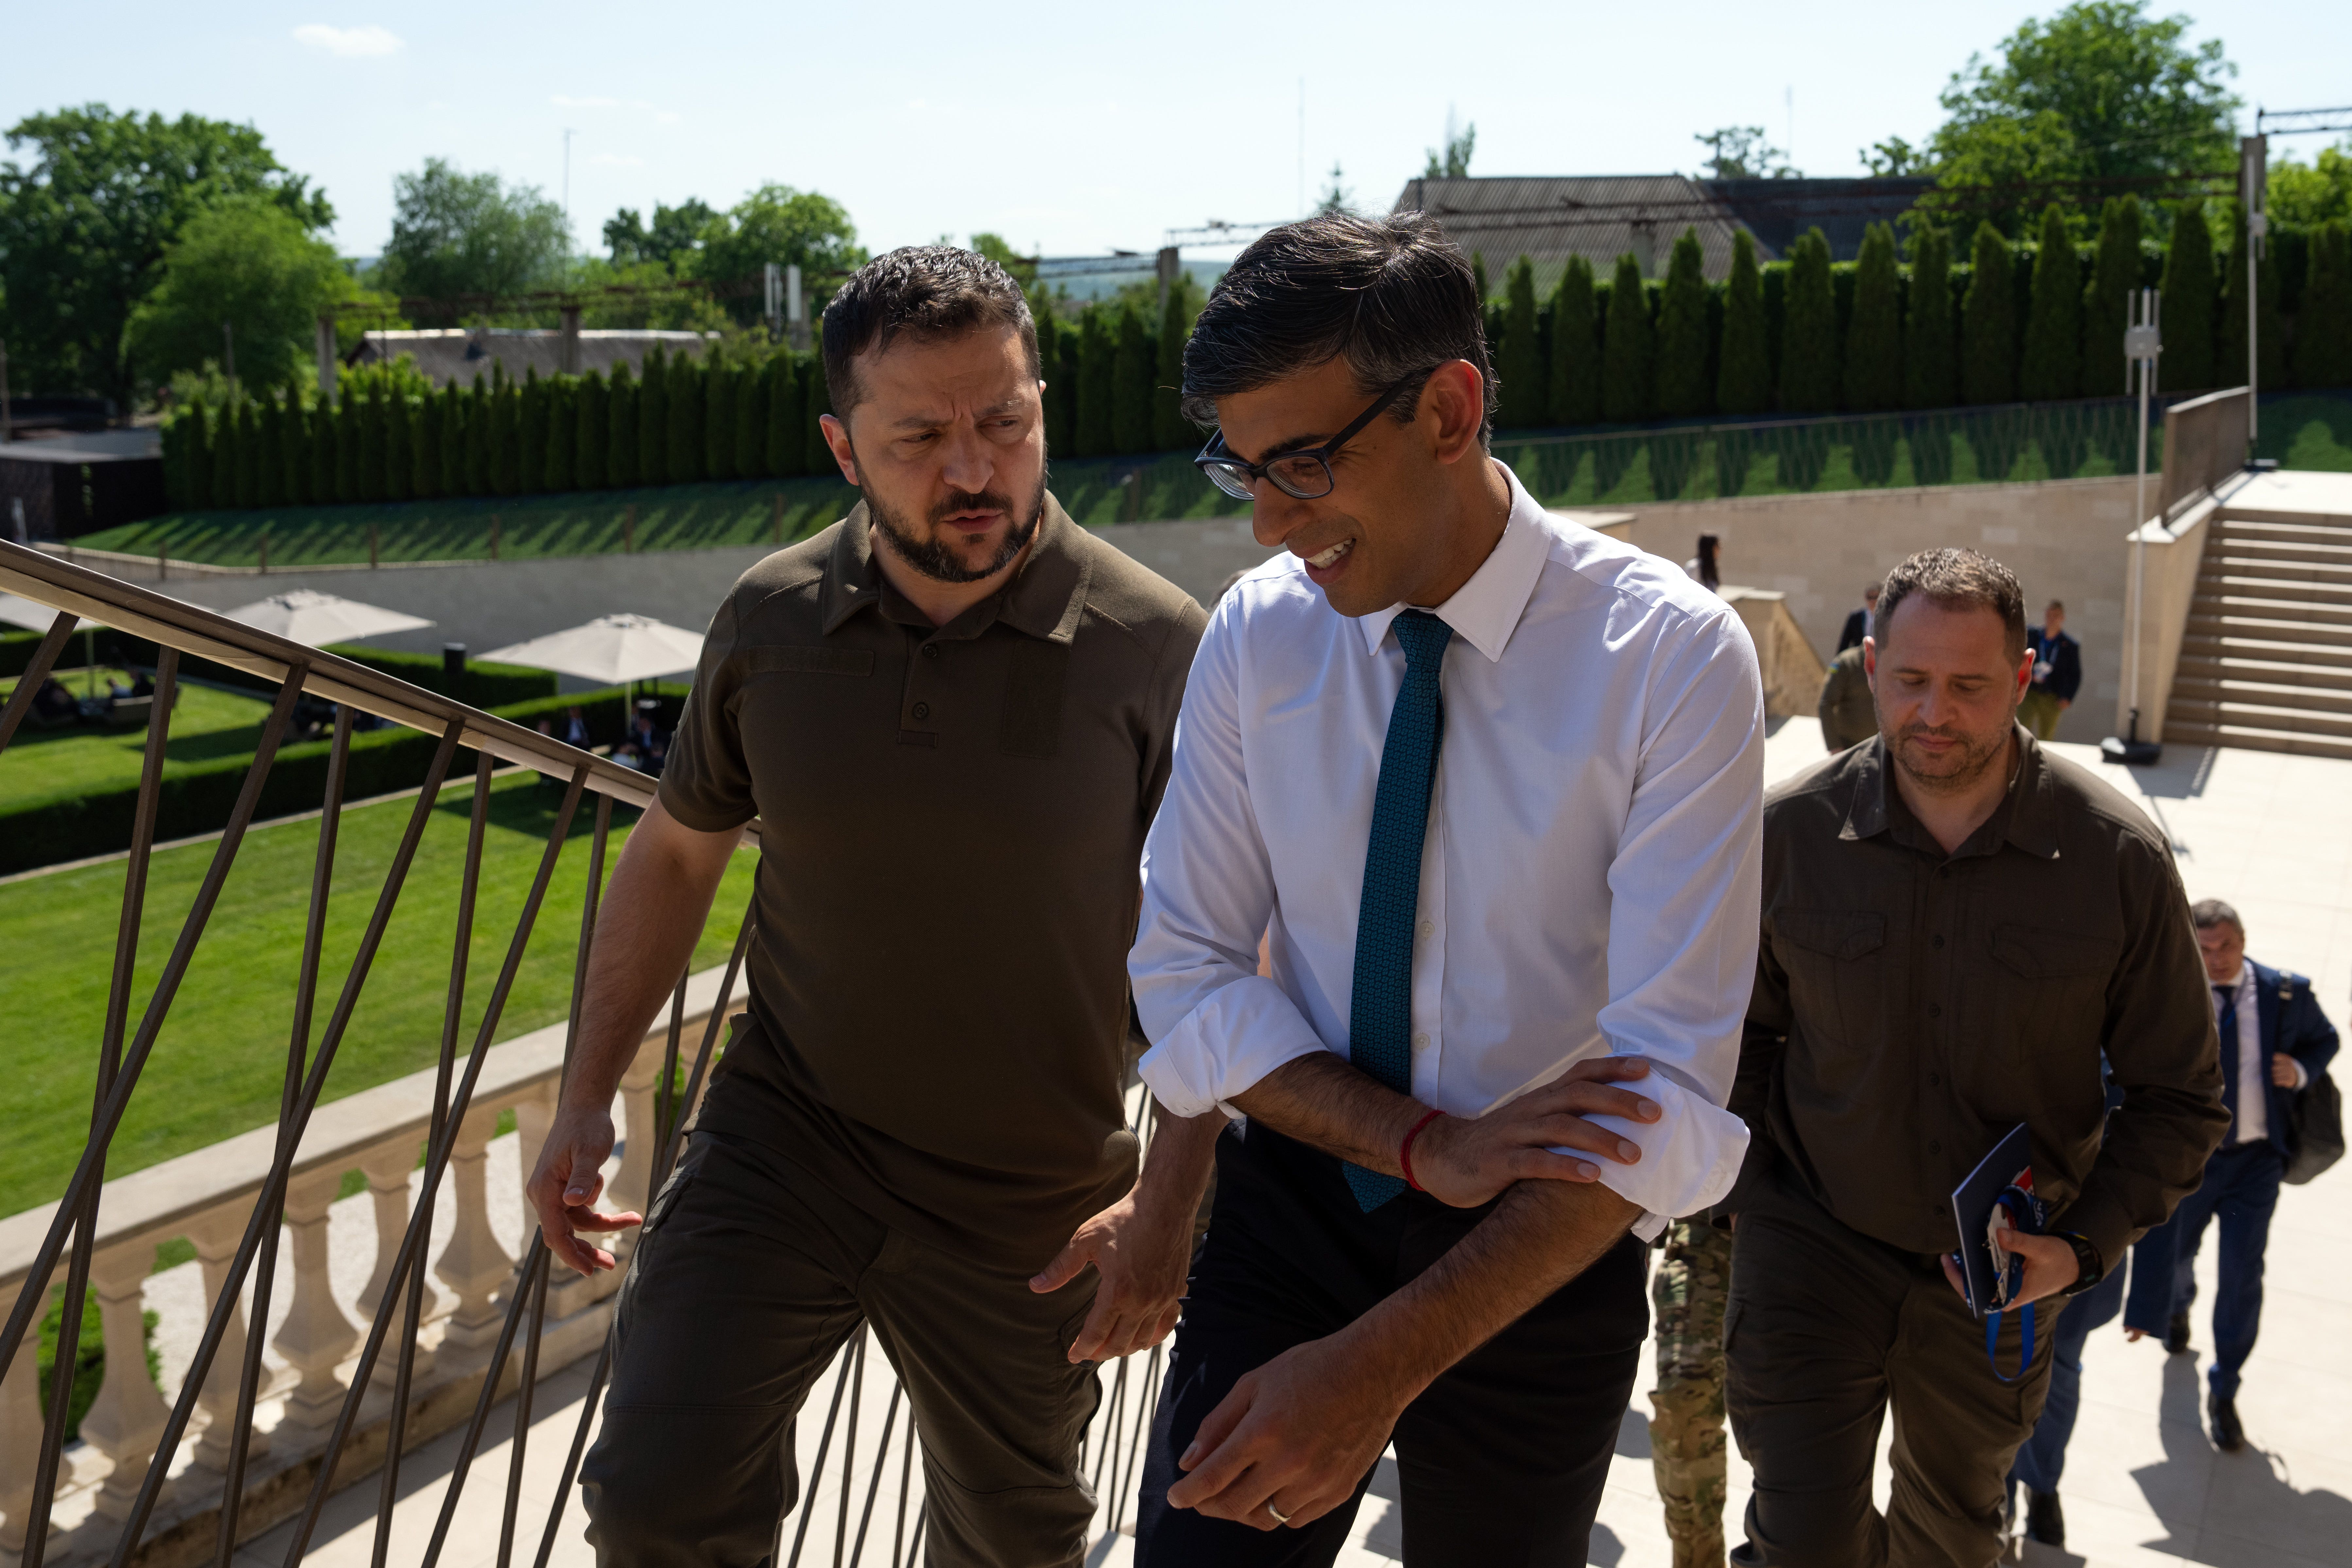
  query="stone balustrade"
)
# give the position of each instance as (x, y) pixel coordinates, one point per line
(207, 1198)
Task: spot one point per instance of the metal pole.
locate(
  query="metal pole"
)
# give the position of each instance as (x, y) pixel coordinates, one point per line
(2253, 177)
(328, 360)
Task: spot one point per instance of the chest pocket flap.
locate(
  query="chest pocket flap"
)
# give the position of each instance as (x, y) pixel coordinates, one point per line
(1845, 934)
(2041, 953)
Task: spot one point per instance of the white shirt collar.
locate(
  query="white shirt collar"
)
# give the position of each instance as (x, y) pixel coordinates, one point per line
(1486, 609)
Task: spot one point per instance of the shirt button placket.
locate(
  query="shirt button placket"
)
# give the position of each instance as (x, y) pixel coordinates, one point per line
(920, 704)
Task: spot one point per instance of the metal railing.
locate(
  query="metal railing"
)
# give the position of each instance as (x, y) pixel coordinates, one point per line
(349, 1414)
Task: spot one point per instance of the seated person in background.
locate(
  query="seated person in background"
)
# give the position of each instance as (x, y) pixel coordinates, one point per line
(142, 683)
(575, 728)
(53, 703)
(1848, 716)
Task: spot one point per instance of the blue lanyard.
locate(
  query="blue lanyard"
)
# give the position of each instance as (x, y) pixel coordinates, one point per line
(1992, 1333)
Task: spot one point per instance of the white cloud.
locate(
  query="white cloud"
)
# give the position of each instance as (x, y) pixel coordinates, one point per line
(616, 160)
(352, 42)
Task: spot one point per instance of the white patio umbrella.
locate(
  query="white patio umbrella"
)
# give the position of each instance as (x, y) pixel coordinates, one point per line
(613, 649)
(317, 619)
(19, 611)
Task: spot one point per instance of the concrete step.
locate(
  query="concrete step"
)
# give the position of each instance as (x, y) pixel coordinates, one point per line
(2272, 601)
(2218, 621)
(2181, 732)
(2228, 641)
(2306, 531)
(2239, 688)
(2230, 542)
(2232, 584)
(2275, 672)
(2259, 715)
(2281, 519)
(2335, 573)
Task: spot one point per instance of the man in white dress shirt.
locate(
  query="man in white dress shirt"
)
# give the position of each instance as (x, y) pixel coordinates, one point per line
(1489, 783)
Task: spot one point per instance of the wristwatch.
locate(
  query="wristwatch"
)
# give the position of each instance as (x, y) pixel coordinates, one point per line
(2094, 1269)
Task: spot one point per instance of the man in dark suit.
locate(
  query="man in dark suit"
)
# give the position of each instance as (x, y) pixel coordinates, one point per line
(2057, 673)
(1857, 624)
(2275, 1042)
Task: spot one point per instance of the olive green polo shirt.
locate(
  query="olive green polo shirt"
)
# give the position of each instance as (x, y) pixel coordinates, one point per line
(952, 834)
(1912, 1007)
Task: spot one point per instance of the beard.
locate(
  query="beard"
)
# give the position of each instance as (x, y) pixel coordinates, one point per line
(1958, 770)
(929, 555)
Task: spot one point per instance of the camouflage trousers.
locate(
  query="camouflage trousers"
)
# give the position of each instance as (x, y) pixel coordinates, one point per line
(1686, 1444)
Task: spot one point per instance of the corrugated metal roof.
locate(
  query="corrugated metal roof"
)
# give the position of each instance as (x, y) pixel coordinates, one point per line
(1601, 217)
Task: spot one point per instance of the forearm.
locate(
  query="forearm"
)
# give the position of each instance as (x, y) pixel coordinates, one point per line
(1326, 1102)
(1176, 1169)
(1540, 1237)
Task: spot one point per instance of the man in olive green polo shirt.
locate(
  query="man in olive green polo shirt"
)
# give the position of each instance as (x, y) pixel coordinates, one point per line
(953, 713)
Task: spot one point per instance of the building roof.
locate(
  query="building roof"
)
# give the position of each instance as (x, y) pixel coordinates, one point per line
(460, 354)
(130, 446)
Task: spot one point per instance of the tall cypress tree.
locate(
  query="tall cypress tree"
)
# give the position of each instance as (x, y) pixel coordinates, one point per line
(1097, 431)
(322, 449)
(1068, 344)
(689, 387)
(1518, 356)
(195, 472)
(1135, 362)
(653, 419)
(425, 482)
(1575, 389)
(816, 402)
(622, 469)
(294, 439)
(2051, 365)
(1873, 334)
(2187, 364)
(562, 433)
(787, 450)
(718, 383)
(1744, 378)
(530, 434)
(751, 387)
(399, 450)
(505, 439)
(2323, 339)
(1628, 350)
(1988, 323)
(592, 426)
(232, 475)
(2106, 304)
(1930, 378)
(1683, 389)
(351, 414)
(374, 418)
(1809, 336)
(456, 409)
(1169, 428)
(482, 465)
(1057, 396)
(268, 452)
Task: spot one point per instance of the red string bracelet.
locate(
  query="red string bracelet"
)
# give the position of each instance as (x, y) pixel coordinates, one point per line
(1404, 1151)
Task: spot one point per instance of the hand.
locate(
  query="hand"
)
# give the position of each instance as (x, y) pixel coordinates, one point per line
(2051, 1267)
(1467, 1161)
(1142, 1250)
(1299, 1432)
(2134, 1336)
(569, 1176)
(2284, 1071)
(2064, 703)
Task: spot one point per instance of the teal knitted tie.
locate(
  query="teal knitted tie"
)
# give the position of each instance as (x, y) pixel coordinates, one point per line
(1380, 1012)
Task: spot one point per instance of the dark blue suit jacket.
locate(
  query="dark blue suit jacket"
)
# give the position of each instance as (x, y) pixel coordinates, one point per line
(2065, 664)
(2290, 1021)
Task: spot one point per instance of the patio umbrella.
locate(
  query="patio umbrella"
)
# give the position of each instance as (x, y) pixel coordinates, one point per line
(318, 619)
(19, 611)
(611, 648)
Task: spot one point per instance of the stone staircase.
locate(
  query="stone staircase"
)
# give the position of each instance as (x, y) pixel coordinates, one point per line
(2267, 663)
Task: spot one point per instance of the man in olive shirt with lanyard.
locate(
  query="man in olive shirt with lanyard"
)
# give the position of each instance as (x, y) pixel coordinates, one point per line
(953, 714)
(1956, 924)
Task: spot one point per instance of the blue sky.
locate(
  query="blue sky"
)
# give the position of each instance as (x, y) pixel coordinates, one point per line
(1071, 128)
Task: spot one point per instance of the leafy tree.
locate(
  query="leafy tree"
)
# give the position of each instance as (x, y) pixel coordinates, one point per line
(1169, 428)
(1741, 153)
(676, 233)
(778, 224)
(688, 389)
(1098, 430)
(193, 488)
(1135, 360)
(88, 220)
(2229, 357)
(1021, 269)
(1873, 336)
(653, 419)
(248, 262)
(505, 441)
(816, 402)
(787, 448)
(1683, 389)
(232, 475)
(1628, 350)
(1744, 381)
(1930, 375)
(455, 235)
(1056, 395)
(752, 388)
(1892, 158)
(399, 451)
(1336, 197)
(1988, 323)
(2053, 362)
(2101, 90)
(718, 421)
(1575, 370)
(592, 426)
(562, 433)
(2323, 340)
(1518, 355)
(2106, 305)
(622, 469)
(1069, 341)
(2187, 310)
(2309, 194)
(1809, 336)
(1453, 162)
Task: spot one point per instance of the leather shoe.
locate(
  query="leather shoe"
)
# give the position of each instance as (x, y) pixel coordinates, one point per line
(2228, 1435)
(2045, 1521)
(2176, 1334)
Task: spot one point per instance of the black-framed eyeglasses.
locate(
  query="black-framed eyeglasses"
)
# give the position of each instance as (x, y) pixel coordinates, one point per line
(1305, 474)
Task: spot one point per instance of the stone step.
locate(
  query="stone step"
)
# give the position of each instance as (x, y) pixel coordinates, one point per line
(2232, 584)
(2256, 514)
(2286, 672)
(2227, 526)
(2181, 732)
(2299, 632)
(2232, 641)
(2240, 688)
(2272, 601)
(2334, 573)
(2231, 543)
(2259, 715)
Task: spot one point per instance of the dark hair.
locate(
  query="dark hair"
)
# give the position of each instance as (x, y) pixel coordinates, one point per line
(1393, 296)
(927, 291)
(2207, 913)
(2057, 604)
(1709, 572)
(1955, 579)
(1873, 588)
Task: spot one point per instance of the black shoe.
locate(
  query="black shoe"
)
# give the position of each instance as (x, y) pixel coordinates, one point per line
(2176, 1334)
(2045, 1521)
(2228, 1435)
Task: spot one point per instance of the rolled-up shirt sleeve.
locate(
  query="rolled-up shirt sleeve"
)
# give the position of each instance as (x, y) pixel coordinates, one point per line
(1208, 891)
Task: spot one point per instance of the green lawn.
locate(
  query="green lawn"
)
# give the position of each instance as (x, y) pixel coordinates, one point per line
(43, 765)
(218, 1065)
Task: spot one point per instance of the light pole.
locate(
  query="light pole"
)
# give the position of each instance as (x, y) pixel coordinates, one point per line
(2254, 184)
(2143, 341)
